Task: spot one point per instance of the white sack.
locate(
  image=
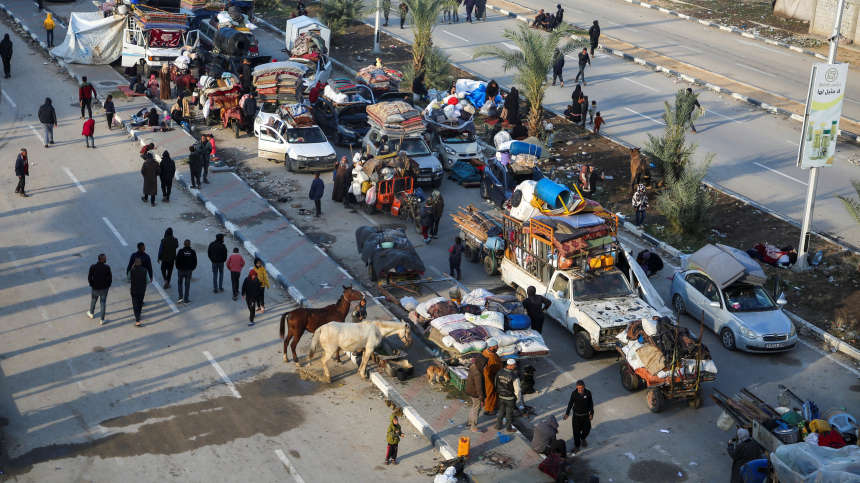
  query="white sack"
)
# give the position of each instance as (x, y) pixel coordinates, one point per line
(422, 307)
(408, 303)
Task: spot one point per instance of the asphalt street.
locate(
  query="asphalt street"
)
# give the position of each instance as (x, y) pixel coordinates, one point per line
(195, 393)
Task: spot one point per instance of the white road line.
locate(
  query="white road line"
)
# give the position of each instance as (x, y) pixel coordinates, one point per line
(37, 133)
(321, 250)
(293, 472)
(762, 47)
(852, 100)
(275, 210)
(511, 46)
(368, 218)
(440, 274)
(756, 70)
(828, 355)
(643, 85)
(115, 232)
(561, 371)
(456, 36)
(222, 374)
(781, 174)
(789, 142)
(294, 227)
(646, 117)
(688, 48)
(166, 298)
(344, 271)
(21, 270)
(10, 100)
(77, 376)
(69, 172)
(622, 26)
(726, 117)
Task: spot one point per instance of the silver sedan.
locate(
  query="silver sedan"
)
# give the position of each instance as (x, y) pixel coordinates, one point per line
(745, 316)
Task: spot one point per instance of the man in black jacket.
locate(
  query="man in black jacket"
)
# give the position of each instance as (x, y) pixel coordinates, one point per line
(186, 262)
(249, 108)
(535, 305)
(145, 261)
(6, 55)
(48, 118)
(583, 413)
(139, 278)
(583, 60)
(508, 388)
(594, 36)
(218, 256)
(99, 278)
(245, 76)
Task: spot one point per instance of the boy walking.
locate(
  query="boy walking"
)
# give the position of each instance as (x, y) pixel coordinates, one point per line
(100, 279)
(109, 111)
(49, 28)
(22, 170)
(598, 121)
(393, 437)
(88, 132)
(250, 293)
(235, 264)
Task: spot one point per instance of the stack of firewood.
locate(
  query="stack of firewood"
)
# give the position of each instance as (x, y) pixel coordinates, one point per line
(474, 222)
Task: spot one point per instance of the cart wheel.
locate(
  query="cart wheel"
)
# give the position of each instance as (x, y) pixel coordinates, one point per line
(490, 265)
(521, 294)
(416, 222)
(698, 401)
(236, 129)
(472, 254)
(655, 399)
(629, 381)
(372, 273)
(369, 208)
(583, 345)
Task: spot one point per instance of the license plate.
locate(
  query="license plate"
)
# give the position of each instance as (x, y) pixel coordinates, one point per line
(774, 346)
(423, 179)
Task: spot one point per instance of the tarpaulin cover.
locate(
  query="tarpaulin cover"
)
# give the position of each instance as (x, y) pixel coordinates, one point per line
(369, 240)
(807, 463)
(91, 39)
(463, 172)
(475, 91)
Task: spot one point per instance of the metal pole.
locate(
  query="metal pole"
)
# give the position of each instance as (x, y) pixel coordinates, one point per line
(802, 252)
(376, 29)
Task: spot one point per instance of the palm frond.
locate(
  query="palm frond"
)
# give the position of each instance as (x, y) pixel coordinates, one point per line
(852, 206)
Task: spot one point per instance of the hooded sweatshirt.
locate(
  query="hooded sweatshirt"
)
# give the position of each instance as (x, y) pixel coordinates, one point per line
(251, 286)
(49, 23)
(393, 435)
(262, 275)
(168, 247)
(6, 47)
(545, 434)
(168, 168)
(47, 114)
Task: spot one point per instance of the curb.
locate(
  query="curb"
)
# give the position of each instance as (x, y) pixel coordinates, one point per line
(835, 342)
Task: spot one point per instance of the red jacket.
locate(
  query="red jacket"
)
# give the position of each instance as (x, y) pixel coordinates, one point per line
(86, 91)
(235, 263)
(89, 127)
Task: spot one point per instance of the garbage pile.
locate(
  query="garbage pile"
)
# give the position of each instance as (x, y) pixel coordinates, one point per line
(279, 80)
(395, 118)
(658, 349)
(380, 78)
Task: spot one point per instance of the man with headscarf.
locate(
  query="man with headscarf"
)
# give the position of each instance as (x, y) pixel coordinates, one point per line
(594, 36)
(545, 440)
(742, 452)
(512, 105)
(6, 55)
(535, 306)
(164, 82)
(341, 179)
(168, 169)
(491, 368)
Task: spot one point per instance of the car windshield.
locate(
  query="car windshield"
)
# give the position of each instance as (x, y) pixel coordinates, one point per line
(269, 107)
(606, 285)
(456, 137)
(354, 112)
(412, 147)
(748, 298)
(305, 135)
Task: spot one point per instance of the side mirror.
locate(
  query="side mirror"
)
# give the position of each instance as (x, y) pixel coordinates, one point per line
(715, 305)
(781, 301)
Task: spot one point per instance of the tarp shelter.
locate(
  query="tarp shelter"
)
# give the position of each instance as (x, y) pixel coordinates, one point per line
(725, 265)
(92, 39)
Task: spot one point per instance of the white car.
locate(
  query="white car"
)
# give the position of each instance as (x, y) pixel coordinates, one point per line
(300, 148)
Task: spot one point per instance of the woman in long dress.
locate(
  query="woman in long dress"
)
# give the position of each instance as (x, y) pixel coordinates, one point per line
(164, 80)
(512, 105)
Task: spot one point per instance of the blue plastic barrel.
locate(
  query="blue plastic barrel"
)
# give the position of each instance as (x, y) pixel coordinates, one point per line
(522, 147)
(519, 322)
(553, 194)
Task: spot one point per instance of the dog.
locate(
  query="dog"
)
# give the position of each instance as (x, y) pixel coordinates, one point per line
(528, 383)
(436, 373)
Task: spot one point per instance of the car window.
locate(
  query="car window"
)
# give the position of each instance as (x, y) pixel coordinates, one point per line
(374, 136)
(497, 172)
(697, 281)
(605, 285)
(456, 137)
(412, 147)
(267, 134)
(305, 135)
(748, 298)
(560, 284)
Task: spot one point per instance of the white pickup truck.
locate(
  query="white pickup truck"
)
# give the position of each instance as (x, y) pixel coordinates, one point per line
(154, 46)
(596, 307)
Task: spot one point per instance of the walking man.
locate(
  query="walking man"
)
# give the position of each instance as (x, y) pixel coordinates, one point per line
(48, 117)
(535, 306)
(557, 68)
(86, 92)
(404, 11)
(186, 262)
(110, 111)
(250, 292)
(510, 393)
(195, 165)
(49, 28)
(696, 105)
(594, 36)
(205, 148)
(492, 366)
(145, 261)
(583, 60)
(235, 264)
(475, 390)
(168, 169)
(6, 55)
(218, 256)
(470, 5)
(386, 9)
(316, 193)
(150, 171)
(22, 170)
(100, 279)
(583, 413)
(167, 255)
(139, 278)
(438, 207)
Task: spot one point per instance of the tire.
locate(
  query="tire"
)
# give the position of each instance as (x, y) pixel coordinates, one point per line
(289, 164)
(484, 193)
(727, 337)
(236, 129)
(655, 399)
(583, 345)
(521, 294)
(678, 304)
(490, 266)
(372, 273)
(698, 401)
(629, 381)
(472, 254)
(369, 208)
(437, 184)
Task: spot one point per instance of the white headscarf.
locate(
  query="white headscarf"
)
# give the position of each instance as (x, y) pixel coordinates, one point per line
(743, 434)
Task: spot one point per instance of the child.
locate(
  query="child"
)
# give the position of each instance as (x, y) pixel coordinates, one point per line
(455, 257)
(591, 110)
(360, 312)
(88, 131)
(598, 121)
(640, 204)
(263, 277)
(251, 292)
(394, 435)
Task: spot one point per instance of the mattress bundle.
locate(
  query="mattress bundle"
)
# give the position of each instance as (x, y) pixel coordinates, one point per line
(296, 115)
(157, 19)
(395, 117)
(653, 348)
(279, 80)
(380, 79)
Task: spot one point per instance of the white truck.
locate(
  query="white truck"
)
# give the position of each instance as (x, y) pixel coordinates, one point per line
(319, 70)
(594, 304)
(154, 45)
(299, 148)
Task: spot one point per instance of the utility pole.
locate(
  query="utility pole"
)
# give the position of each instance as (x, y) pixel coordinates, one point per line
(802, 264)
(376, 29)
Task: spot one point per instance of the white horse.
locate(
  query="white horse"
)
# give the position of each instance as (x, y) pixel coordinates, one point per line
(352, 337)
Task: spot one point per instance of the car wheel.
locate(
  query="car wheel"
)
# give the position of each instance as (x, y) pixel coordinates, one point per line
(437, 184)
(583, 345)
(698, 401)
(727, 337)
(629, 381)
(678, 303)
(484, 193)
(289, 164)
(369, 208)
(656, 400)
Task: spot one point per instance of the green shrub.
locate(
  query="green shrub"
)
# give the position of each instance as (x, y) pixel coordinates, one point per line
(339, 15)
(437, 71)
(687, 205)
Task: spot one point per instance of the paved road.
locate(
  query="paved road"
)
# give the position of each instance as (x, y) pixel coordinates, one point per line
(105, 403)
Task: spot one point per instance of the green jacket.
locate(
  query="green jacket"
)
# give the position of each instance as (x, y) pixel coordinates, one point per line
(394, 432)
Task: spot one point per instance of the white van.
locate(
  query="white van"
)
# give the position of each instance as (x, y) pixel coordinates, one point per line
(155, 46)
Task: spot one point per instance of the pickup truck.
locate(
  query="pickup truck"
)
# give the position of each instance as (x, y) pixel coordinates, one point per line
(155, 46)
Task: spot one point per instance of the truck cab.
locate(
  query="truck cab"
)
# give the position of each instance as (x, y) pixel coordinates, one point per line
(155, 46)
(300, 148)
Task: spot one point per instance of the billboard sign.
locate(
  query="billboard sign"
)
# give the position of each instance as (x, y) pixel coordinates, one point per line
(823, 111)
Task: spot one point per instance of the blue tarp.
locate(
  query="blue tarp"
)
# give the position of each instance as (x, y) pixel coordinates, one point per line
(463, 172)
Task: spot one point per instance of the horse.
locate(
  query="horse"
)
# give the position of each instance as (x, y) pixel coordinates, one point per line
(365, 336)
(640, 172)
(303, 319)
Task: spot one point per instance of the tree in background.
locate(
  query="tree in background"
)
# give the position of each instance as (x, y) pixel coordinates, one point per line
(339, 15)
(687, 205)
(852, 206)
(437, 71)
(424, 15)
(533, 61)
(670, 152)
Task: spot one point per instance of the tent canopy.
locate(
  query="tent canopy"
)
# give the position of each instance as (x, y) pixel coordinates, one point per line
(92, 39)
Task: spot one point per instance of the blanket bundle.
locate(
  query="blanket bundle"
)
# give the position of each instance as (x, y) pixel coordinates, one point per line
(395, 117)
(653, 345)
(380, 78)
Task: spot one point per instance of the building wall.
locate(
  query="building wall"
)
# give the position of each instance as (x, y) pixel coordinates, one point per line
(824, 14)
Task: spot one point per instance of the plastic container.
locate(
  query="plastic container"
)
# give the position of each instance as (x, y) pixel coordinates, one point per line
(522, 208)
(464, 446)
(839, 419)
(522, 147)
(553, 194)
(725, 422)
(387, 245)
(495, 243)
(787, 436)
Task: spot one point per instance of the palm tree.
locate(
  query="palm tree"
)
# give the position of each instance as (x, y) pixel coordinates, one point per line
(339, 15)
(424, 17)
(670, 151)
(852, 206)
(533, 61)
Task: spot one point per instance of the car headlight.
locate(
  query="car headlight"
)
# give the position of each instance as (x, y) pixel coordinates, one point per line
(345, 130)
(793, 331)
(301, 158)
(331, 157)
(437, 168)
(746, 332)
(450, 151)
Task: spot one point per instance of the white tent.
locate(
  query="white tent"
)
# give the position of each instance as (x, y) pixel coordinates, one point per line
(92, 39)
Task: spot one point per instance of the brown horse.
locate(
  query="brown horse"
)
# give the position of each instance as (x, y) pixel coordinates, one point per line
(302, 319)
(640, 172)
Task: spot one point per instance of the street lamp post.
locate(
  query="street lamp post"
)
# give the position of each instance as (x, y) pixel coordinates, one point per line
(376, 30)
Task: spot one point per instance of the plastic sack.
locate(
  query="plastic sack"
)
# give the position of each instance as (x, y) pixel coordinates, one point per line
(726, 422)
(408, 303)
(492, 319)
(524, 334)
(448, 341)
(448, 328)
(440, 322)
(649, 326)
(476, 297)
(532, 345)
(371, 195)
(474, 346)
(519, 322)
(507, 351)
(505, 340)
(806, 463)
(447, 477)
(422, 307)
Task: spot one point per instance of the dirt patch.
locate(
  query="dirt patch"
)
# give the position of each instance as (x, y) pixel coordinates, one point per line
(311, 375)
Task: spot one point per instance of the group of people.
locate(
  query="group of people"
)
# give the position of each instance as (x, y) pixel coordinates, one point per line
(139, 274)
(548, 22)
(581, 111)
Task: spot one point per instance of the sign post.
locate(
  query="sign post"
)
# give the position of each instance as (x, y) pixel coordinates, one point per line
(376, 30)
(827, 86)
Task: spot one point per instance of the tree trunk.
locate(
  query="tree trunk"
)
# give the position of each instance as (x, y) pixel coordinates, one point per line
(535, 121)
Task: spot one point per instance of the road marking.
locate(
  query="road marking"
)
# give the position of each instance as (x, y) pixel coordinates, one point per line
(222, 374)
(37, 134)
(646, 117)
(756, 70)
(368, 218)
(115, 232)
(781, 174)
(237, 176)
(69, 172)
(294, 227)
(762, 47)
(622, 26)
(9, 99)
(852, 100)
(511, 46)
(643, 85)
(440, 274)
(255, 192)
(77, 376)
(726, 117)
(21, 270)
(344, 271)
(457, 36)
(166, 298)
(293, 472)
(275, 210)
(789, 142)
(321, 250)
(688, 48)
(561, 371)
